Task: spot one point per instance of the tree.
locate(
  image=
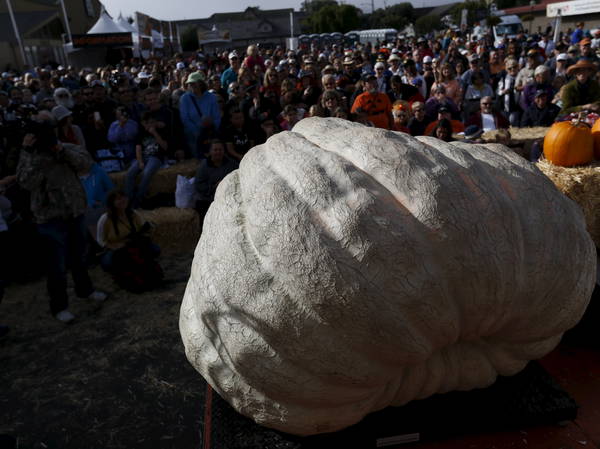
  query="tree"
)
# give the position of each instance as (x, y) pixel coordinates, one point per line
(427, 24)
(333, 17)
(189, 39)
(396, 16)
(476, 10)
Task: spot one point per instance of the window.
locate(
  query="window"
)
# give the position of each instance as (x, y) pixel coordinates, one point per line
(89, 7)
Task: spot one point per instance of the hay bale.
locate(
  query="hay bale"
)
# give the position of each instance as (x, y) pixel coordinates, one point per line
(582, 185)
(174, 229)
(165, 180)
(520, 137)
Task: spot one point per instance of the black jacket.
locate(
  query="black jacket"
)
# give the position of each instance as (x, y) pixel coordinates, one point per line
(534, 116)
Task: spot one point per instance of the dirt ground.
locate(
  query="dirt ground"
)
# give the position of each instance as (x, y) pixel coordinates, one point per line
(115, 378)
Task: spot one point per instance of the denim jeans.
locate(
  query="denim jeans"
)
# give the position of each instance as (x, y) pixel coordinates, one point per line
(151, 166)
(65, 247)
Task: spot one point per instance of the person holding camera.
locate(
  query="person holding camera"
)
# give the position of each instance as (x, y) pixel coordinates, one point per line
(49, 170)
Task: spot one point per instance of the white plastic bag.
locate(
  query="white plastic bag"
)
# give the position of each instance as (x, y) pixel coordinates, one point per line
(185, 193)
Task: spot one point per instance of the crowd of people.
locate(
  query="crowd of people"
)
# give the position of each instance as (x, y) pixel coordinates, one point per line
(63, 128)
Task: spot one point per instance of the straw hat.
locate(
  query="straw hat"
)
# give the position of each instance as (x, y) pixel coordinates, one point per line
(582, 64)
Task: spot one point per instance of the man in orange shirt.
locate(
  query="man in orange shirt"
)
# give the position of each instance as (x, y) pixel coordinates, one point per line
(444, 113)
(375, 105)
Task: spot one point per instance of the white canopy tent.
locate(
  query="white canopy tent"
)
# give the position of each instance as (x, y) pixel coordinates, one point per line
(106, 24)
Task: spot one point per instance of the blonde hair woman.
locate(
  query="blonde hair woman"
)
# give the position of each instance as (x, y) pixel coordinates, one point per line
(447, 78)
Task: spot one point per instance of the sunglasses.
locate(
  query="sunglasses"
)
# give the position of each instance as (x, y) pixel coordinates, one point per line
(486, 104)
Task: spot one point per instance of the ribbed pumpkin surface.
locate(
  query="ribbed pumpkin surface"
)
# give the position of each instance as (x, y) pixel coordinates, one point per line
(568, 144)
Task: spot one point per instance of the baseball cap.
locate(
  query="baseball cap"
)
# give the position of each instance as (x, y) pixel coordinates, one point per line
(541, 69)
(427, 59)
(540, 92)
(233, 54)
(380, 65)
(443, 109)
(394, 57)
(585, 41)
(562, 57)
(180, 66)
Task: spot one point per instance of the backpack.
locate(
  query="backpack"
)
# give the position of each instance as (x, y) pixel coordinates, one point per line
(135, 268)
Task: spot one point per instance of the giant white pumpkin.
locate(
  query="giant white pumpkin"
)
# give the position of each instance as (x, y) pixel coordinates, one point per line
(343, 269)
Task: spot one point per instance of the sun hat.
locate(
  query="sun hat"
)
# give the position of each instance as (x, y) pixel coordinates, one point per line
(582, 64)
(60, 112)
(195, 77)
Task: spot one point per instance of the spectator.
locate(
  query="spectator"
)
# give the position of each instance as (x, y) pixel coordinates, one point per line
(150, 150)
(474, 93)
(577, 35)
(586, 52)
(474, 69)
(375, 105)
(210, 173)
(123, 134)
(67, 131)
(445, 114)
(438, 100)
(418, 121)
(237, 136)
(411, 76)
(508, 96)
(541, 112)
(541, 82)
(401, 114)
(200, 115)
(120, 229)
(582, 93)
(486, 119)
(49, 170)
(443, 131)
(62, 97)
(447, 78)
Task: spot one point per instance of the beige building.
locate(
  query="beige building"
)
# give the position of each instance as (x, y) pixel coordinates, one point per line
(42, 30)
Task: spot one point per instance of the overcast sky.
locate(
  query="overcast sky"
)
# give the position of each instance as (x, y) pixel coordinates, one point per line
(193, 9)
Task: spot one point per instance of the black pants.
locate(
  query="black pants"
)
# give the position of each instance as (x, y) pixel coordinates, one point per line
(65, 247)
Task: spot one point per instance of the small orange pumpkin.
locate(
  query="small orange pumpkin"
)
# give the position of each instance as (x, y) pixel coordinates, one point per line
(596, 137)
(569, 143)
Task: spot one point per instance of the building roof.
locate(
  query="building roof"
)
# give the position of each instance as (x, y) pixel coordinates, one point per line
(252, 23)
(527, 9)
(26, 22)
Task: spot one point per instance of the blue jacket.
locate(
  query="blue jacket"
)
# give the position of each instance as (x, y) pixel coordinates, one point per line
(192, 121)
(124, 138)
(229, 76)
(97, 184)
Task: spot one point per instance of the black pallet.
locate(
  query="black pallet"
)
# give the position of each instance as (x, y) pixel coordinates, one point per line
(527, 399)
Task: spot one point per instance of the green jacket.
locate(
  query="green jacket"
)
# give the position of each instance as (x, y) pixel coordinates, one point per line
(573, 98)
(53, 180)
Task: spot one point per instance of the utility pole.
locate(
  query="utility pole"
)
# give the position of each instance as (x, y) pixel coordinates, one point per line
(16, 30)
(67, 26)
(372, 6)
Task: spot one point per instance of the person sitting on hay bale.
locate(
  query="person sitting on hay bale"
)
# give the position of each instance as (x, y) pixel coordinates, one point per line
(582, 93)
(210, 173)
(149, 152)
(130, 256)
